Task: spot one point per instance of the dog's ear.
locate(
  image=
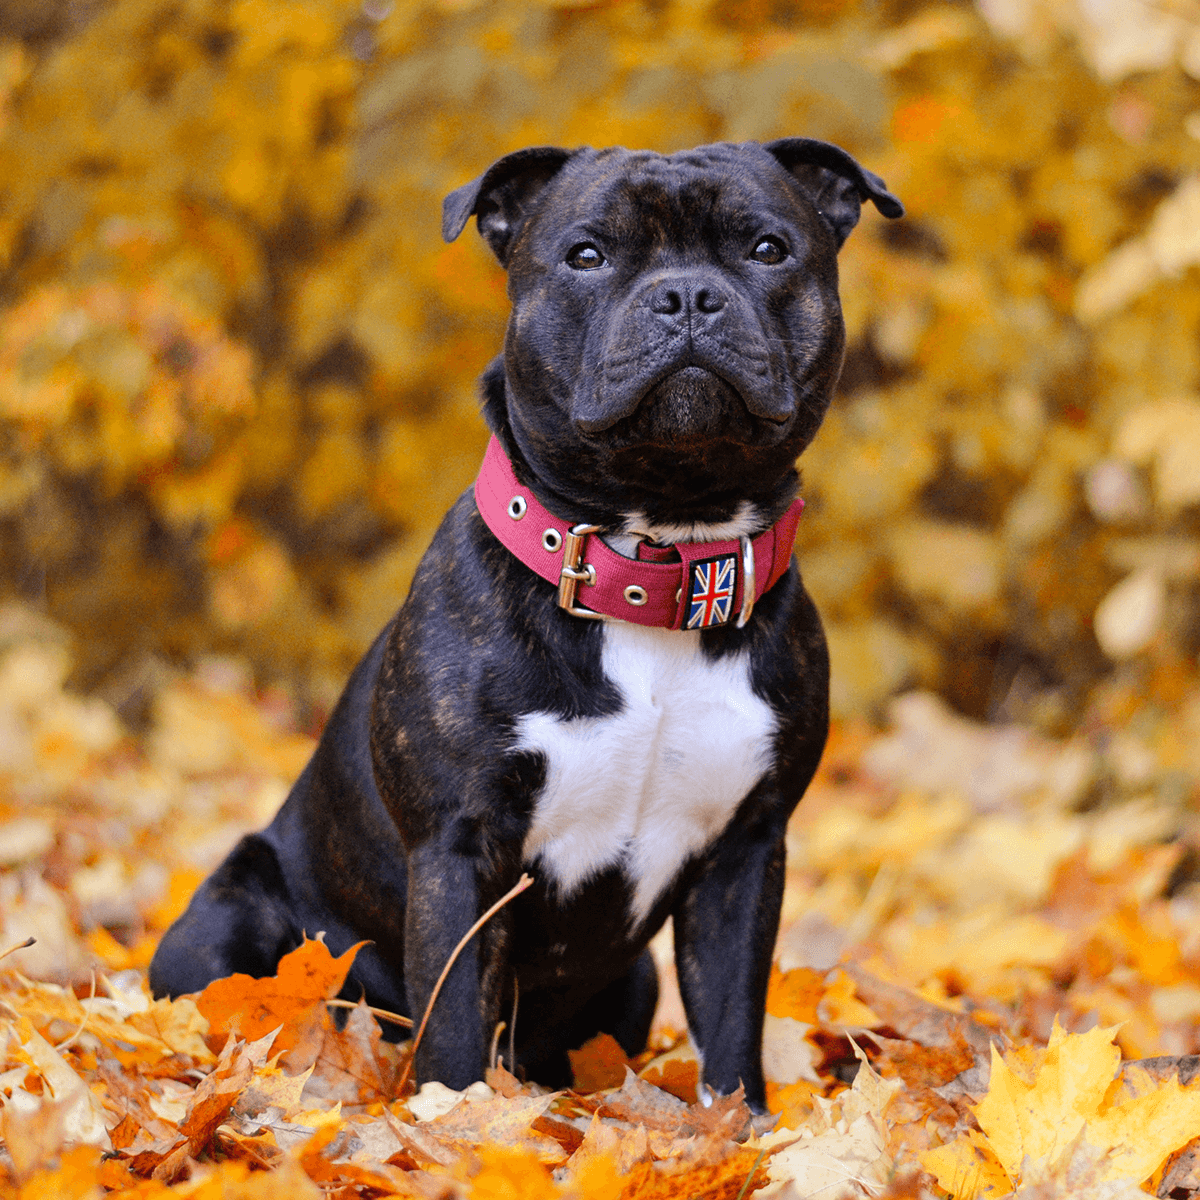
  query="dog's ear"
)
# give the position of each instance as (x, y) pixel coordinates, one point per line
(502, 198)
(834, 182)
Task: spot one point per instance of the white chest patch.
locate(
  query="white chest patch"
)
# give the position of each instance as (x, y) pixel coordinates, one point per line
(656, 782)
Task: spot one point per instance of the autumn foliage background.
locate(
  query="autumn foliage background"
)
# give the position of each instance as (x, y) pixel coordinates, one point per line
(237, 393)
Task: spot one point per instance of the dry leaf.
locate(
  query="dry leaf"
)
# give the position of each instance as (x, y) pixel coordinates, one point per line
(292, 999)
(1037, 1112)
(843, 1151)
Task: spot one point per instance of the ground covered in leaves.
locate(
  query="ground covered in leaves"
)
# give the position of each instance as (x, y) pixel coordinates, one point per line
(988, 980)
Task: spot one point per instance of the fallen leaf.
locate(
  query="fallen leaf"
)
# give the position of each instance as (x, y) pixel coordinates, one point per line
(598, 1064)
(1038, 1111)
(290, 1001)
(676, 1071)
(499, 1121)
(841, 1006)
(843, 1151)
(78, 1109)
(353, 1064)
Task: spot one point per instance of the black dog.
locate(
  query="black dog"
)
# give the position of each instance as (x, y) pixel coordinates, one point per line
(674, 343)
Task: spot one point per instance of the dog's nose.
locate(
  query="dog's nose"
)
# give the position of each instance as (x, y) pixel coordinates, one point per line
(682, 297)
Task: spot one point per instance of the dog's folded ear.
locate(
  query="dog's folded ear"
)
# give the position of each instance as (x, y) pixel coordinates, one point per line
(834, 182)
(502, 198)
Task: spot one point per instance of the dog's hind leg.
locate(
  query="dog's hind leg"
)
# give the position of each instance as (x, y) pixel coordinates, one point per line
(238, 921)
(624, 1009)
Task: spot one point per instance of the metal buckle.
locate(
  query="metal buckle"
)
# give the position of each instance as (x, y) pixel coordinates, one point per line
(748, 582)
(575, 572)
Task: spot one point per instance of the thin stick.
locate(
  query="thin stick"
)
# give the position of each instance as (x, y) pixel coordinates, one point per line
(495, 1044)
(512, 1029)
(381, 1013)
(21, 946)
(87, 1012)
(761, 1155)
(522, 883)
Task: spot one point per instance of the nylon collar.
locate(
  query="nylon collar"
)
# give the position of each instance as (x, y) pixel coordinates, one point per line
(712, 583)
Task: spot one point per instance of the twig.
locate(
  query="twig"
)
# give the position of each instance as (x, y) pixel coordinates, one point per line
(757, 1162)
(20, 946)
(521, 884)
(87, 1012)
(512, 1028)
(381, 1013)
(500, 1026)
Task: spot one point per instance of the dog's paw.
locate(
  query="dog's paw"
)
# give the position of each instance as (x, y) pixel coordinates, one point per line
(762, 1122)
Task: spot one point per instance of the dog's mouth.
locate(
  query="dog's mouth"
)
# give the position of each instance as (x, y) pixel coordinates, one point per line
(691, 404)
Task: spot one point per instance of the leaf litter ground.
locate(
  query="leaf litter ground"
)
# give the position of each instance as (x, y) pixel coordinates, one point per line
(987, 981)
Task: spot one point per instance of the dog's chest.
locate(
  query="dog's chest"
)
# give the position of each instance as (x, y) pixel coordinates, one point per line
(656, 782)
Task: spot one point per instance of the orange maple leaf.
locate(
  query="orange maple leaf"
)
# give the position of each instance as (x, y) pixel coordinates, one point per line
(290, 1001)
(598, 1064)
(796, 994)
(677, 1076)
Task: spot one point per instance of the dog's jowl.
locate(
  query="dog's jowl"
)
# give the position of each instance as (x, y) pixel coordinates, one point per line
(607, 673)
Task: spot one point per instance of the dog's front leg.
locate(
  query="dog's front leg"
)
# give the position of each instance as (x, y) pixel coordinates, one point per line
(443, 904)
(725, 929)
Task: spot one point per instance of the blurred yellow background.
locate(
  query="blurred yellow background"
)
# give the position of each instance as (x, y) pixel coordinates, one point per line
(238, 364)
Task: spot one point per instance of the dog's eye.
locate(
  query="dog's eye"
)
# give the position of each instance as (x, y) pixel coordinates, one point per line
(770, 251)
(585, 257)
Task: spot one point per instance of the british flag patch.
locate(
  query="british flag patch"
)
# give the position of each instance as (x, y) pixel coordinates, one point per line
(710, 596)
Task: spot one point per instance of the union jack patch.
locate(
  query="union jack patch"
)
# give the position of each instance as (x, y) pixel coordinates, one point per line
(710, 594)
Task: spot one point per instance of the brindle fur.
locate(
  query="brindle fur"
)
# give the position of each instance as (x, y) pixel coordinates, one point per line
(410, 819)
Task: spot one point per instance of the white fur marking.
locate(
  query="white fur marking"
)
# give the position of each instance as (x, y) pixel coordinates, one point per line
(656, 782)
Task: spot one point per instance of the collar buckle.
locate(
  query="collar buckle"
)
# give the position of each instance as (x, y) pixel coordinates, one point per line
(575, 571)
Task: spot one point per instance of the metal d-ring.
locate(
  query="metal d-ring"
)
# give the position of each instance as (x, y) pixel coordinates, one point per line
(748, 581)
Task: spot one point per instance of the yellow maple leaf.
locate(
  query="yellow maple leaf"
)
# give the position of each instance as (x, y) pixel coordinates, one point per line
(1036, 1114)
(1037, 1119)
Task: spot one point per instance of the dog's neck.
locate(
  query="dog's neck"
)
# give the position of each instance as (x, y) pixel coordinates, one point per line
(684, 585)
(570, 486)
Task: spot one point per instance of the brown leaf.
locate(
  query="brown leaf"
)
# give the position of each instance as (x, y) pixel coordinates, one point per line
(568, 1136)
(259, 1150)
(421, 1145)
(923, 1066)
(220, 1090)
(164, 1156)
(503, 1081)
(500, 1122)
(353, 1064)
(639, 1103)
(918, 1019)
(271, 1088)
(607, 1143)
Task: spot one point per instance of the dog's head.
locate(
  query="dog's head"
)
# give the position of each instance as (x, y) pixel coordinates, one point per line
(676, 332)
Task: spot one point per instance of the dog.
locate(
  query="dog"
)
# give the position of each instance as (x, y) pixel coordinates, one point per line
(607, 671)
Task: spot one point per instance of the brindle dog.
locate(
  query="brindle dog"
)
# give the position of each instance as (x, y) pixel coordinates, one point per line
(675, 340)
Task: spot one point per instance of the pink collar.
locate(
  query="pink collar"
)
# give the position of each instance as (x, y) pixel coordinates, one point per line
(712, 583)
